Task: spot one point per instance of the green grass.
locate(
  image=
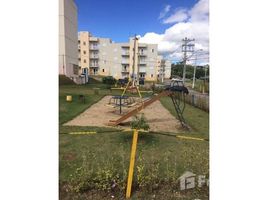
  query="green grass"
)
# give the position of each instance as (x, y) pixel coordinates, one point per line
(105, 157)
(89, 163)
(198, 85)
(197, 119)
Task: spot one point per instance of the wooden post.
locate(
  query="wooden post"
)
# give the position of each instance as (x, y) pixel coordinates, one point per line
(131, 164)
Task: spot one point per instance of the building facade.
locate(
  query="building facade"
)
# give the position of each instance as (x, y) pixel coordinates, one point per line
(163, 69)
(68, 62)
(103, 57)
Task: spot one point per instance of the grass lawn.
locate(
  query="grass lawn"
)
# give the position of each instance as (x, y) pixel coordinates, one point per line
(199, 84)
(90, 164)
(197, 119)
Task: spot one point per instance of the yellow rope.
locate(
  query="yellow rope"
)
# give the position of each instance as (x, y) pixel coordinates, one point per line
(189, 138)
(83, 133)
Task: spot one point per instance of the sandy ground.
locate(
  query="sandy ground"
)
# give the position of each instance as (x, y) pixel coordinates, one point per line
(99, 114)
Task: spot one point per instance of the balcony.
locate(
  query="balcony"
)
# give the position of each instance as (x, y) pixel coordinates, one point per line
(96, 48)
(125, 53)
(142, 45)
(94, 65)
(142, 62)
(94, 56)
(142, 54)
(125, 61)
(142, 69)
(126, 45)
(125, 70)
(93, 39)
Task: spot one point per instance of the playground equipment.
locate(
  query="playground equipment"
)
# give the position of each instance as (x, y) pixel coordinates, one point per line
(120, 101)
(176, 91)
(131, 82)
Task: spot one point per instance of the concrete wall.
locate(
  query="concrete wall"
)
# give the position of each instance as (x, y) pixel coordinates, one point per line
(68, 59)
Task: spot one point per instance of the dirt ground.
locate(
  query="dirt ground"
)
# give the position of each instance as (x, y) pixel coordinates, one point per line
(99, 114)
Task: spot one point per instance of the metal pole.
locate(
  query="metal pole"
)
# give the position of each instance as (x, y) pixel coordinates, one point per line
(120, 104)
(194, 71)
(184, 60)
(134, 59)
(132, 161)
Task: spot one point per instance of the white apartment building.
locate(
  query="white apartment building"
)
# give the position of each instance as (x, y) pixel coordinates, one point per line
(163, 68)
(103, 57)
(68, 63)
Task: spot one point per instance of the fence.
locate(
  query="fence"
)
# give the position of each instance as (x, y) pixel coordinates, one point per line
(199, 101)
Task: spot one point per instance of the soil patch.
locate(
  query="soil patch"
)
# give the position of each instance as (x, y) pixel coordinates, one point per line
(99, 114)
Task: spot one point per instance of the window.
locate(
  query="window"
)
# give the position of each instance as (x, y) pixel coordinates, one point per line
(78, 41)
(85, 61)
(152, 50)
(84, 43)
(152, 75)
(84, 52)
(102, 70)
(75, 69)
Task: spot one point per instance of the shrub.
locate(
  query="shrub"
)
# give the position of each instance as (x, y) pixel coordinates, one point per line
(139, 123)
(109, 80)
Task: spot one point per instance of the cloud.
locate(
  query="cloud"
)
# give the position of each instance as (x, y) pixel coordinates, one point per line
(179, 16)
(164, 12)
(195, 25)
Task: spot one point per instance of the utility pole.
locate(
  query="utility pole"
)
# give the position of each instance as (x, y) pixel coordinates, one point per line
(186, 47)
(194, 71)
(134, 59)
(195, 66)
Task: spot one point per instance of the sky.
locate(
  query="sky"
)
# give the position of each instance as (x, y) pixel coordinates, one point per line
(162, 22)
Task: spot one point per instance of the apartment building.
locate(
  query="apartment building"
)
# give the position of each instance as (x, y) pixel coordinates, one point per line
(103, 57)
(68, 63)
(163, 68)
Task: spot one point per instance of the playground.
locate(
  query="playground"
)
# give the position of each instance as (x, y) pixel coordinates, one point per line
(95, 149)
(100, 113)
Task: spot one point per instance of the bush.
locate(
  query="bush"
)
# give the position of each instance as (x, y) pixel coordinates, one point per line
(139, 123)
(109, 80)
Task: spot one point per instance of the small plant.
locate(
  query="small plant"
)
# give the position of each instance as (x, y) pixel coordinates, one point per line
(139, 123)
(109, 80)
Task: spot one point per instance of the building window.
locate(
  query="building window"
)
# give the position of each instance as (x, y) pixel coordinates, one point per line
(152, 50)
(78, 41)
(84, 52)
(84, 43)
(102, 70)
(152, 75)
(75, 69)
(85, 61)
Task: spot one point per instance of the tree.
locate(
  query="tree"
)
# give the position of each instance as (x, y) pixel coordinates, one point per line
(177, 70)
